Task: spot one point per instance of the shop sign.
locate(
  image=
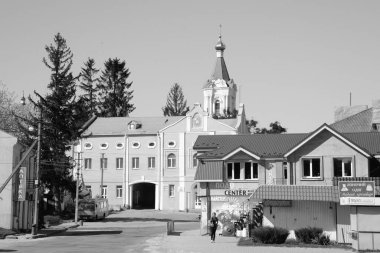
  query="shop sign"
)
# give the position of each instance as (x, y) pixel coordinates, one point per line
(277, 203)
(236, 192)
(356, 192)
(225, 199)
(21, 184)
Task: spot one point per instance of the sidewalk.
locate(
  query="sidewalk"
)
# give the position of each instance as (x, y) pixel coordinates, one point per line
(45, 232)
(192, 241)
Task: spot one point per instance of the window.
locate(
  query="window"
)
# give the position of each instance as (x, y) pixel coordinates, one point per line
(197, 200)
(104, 191)
(88, 145)
(119, 145)
(103, 163)
(119, 163)
(171, 144)
(135, 144)
(171, 190)
(151, 145)
(87, 163)
(217, 107)
(171, 161)
(195, 160)
(251, 171)
(104, 146)
(243, 171)
(342, 167)
(151, 162)
(119, 191)
(135, 163)
(312, 168)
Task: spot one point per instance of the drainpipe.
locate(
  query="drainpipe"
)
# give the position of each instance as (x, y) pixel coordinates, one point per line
(127, 189)
(125, 199)
(159, 172)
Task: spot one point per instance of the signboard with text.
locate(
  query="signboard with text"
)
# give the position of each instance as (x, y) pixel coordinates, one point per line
(356, 192)
(21, 184)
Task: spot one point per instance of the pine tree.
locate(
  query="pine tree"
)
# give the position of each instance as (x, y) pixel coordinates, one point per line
(88, 82)
(61, 115)
(175, 102)
(114, 91)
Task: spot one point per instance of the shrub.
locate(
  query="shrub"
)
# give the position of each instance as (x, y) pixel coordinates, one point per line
(324, 239)
(269, 235)
(309, 234)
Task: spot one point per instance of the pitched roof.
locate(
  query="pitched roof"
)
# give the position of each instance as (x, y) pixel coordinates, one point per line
(370, 141)
(263, 145)
(338, 135)
(278, 145)
(209, 172)
(118, 125)
(297, 192)
(228, 122)
(360, 122)
(220, 71)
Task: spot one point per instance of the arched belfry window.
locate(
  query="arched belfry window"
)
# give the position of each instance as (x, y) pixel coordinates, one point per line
(217, 107)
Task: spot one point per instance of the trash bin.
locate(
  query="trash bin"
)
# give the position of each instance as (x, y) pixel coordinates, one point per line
(81, 223)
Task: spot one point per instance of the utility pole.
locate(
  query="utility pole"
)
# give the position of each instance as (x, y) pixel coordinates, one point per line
(101, 175)
(77, 190)
(36, 182)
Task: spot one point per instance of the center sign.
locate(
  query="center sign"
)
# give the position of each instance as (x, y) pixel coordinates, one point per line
(356, 192)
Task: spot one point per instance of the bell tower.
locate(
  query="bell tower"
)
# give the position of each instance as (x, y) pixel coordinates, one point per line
(219, 92)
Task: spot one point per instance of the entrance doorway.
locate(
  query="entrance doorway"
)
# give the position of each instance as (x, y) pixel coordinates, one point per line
(143, 196)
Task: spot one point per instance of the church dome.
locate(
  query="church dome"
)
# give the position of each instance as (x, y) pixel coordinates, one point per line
(220, 45)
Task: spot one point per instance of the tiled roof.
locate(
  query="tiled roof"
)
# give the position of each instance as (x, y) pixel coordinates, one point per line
(263, 145)
(297, 192)
(369, 141)
(360, 122)
(118, 125)
(275, 145)
(209, 172)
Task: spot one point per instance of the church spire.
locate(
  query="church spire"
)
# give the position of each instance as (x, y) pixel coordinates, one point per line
(220, 46)
(220, 71)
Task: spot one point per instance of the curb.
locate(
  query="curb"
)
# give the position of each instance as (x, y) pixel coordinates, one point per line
(47, 233)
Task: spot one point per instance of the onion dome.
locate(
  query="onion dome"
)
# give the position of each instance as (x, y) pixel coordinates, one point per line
(220, 45)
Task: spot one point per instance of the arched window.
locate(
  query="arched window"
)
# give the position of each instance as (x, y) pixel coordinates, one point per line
(195, 160)
(217, 107)
(171, 160)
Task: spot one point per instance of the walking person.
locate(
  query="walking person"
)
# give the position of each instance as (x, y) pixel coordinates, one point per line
(213, 226)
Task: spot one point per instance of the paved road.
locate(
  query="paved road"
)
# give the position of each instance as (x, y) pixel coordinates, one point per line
(128, 231)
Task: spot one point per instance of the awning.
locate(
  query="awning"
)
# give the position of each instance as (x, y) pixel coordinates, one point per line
(209, 172)
(297, 192)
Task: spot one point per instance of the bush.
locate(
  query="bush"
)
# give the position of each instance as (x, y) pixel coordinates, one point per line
(269, 235)
(324, 239)
(309, 234)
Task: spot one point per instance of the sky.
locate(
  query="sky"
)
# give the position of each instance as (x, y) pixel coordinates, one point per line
(294, 61)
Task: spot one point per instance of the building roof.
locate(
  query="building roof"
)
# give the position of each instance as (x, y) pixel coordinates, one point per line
(220, 71)
(229, 122)
(119, 125)
(297, 192)
(209, 172)
(360, 122)
(262, 145)
(369, 141)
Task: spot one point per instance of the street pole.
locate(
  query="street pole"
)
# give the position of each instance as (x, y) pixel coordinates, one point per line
(36, 182)
(77, 191)
(101, 176)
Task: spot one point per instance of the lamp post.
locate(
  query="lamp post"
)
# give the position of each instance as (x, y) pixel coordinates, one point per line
(77, 190)
(36, 181)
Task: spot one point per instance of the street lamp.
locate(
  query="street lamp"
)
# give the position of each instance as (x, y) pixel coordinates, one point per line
(36, 181)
